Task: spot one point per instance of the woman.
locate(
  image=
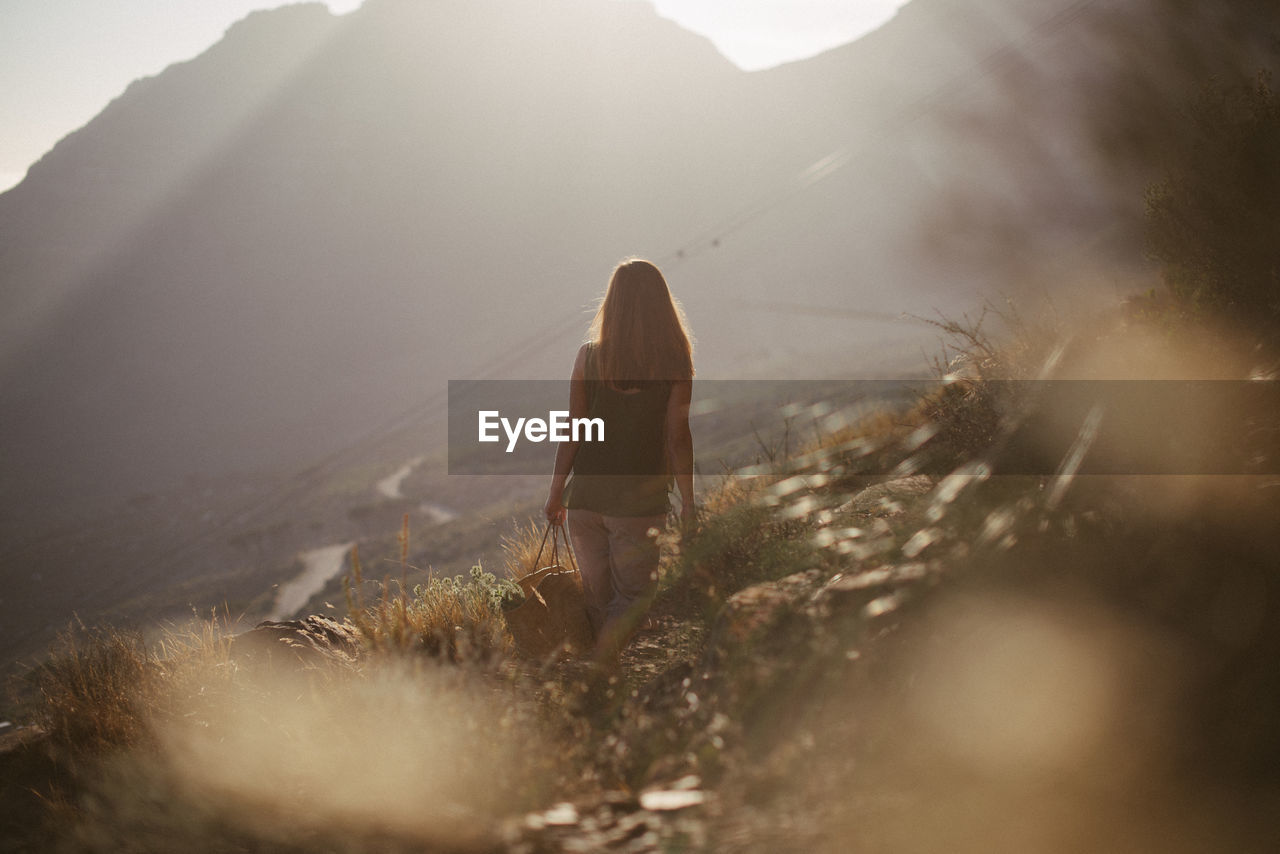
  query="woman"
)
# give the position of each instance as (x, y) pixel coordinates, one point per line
(636, 374)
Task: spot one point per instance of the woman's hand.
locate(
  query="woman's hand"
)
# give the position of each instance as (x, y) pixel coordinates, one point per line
(553, 509)
(688, 516)
(567, 451)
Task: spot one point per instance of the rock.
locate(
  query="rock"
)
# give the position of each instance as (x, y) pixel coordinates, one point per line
(885, 499)
(846, 593)
(560, 815)
(750, 612)
(668, 800)
(753, 648)
(660, 821)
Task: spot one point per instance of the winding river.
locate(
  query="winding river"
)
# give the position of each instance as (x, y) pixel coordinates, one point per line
(389, 487)
(321, 565)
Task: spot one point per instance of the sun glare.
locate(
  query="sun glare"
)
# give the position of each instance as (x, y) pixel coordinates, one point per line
(10, 178)
(342, 7)
(758, 34)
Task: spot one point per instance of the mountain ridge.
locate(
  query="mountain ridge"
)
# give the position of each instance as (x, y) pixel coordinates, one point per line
(161, 211)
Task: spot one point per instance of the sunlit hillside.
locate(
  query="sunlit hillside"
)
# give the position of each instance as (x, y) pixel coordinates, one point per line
(231, 306)
(888, 638)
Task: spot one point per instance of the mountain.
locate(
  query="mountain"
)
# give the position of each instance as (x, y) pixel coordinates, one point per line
(241, 258)
(247, 254)
(250, 259)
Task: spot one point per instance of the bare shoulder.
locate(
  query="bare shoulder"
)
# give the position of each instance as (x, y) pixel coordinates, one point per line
(580, 361)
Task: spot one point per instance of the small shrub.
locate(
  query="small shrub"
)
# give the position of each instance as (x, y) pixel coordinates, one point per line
(94, 688)
(480, 592)
(452, 617)
(985, 379)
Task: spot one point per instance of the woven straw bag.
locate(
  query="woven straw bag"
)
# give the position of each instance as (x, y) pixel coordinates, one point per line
(553, 615)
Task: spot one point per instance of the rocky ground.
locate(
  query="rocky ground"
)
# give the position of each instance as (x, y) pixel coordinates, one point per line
(920, 674)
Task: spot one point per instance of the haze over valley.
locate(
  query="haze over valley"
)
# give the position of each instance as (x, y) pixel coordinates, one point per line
(276, 254)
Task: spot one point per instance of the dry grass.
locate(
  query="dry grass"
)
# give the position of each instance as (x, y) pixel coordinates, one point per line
(984, 371)
(520, 549)
(189, 746)
(457, 618)
(95, 687)
(102, 688)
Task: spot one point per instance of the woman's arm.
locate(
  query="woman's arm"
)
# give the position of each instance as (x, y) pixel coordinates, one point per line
(566, 451)
(680, 445)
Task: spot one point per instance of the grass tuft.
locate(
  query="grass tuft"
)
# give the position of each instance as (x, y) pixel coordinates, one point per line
(93, 688)
(451, 617)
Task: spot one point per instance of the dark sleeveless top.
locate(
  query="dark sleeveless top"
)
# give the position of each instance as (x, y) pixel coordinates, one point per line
(626, 474)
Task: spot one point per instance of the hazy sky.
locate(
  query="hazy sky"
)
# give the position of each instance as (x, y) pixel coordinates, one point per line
(61, 61)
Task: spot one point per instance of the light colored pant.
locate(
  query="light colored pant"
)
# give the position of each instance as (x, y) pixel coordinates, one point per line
(618, 558)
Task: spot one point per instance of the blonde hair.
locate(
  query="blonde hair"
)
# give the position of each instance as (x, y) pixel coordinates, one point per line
(639, 331)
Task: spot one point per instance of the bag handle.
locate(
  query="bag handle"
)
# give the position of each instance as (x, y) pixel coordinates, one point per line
(564, 538)
(545, 533)
(557, 533)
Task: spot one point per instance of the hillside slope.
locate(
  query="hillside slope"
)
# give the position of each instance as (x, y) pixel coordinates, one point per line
(317, 218)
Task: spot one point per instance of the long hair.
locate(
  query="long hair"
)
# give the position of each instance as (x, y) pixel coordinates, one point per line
(639, 331)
